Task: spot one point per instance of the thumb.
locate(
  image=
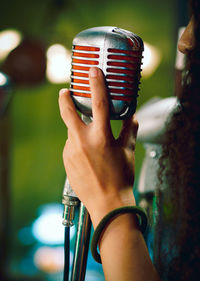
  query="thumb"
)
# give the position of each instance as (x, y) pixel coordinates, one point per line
(127, 136)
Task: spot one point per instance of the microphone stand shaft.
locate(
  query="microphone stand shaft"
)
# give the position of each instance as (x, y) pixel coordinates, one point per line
(82, 245)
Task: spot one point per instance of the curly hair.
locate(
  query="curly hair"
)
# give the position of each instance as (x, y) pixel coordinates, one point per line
(181, 156)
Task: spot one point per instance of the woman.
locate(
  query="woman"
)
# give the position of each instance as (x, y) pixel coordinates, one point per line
(181, 153)
(105, 168)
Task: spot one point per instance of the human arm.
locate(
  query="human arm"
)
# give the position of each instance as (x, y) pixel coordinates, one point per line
(100, 170)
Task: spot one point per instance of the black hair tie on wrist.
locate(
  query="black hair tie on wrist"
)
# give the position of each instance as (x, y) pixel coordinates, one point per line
(140, 215)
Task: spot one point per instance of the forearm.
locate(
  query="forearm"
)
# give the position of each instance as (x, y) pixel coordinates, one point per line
(124, 253)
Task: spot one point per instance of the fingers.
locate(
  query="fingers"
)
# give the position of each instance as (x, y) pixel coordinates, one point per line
(68, 111)
(100, 106)
(100, 102)
(127, 137)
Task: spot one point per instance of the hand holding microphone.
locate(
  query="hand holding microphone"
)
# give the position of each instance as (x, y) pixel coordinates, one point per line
(100, 169)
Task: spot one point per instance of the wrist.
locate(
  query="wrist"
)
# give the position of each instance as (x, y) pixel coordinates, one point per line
(106, 203)
(114, 221)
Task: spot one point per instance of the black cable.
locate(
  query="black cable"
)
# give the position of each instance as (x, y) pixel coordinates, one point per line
(66, 254)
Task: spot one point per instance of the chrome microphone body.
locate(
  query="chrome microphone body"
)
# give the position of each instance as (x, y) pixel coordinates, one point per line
(118, 53)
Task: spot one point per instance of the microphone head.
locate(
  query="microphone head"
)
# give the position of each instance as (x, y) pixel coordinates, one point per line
(118, 53)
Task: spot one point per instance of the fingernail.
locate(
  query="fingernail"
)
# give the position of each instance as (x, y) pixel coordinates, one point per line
(62, 91)
(93, 72)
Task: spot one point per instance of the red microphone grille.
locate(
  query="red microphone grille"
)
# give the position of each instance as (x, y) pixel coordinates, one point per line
(118, 53)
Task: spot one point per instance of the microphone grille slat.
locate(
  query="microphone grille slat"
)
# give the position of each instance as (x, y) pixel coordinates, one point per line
(127, 52)
(123, 64)
(80, 67)
(79, 74)
(80, 81)
(86, 48)
(120, 57)
(80, 87)
(86, 55)
(124, 71)
(114, 97)
(121, 84)
(123, 78)
(80, 61)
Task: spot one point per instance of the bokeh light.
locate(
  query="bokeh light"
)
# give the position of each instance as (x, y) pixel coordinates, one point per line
(49, 259)
(58, 64)
(9, 39)
(2, 79)
(151, 60)
(48, 227)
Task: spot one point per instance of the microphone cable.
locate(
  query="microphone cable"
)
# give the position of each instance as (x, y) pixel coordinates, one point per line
(66, 254)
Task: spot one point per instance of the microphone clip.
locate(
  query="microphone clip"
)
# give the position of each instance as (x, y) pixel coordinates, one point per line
(70, 201)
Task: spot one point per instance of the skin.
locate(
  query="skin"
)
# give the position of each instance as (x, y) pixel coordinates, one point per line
(186, 42)
(100, 170)
(106, 163)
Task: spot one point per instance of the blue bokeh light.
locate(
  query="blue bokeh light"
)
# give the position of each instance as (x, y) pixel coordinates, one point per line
(48, 228)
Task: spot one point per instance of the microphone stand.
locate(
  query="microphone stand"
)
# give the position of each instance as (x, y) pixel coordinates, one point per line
(70, 202)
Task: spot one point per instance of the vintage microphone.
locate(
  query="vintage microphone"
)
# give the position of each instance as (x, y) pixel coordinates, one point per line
(118, 53)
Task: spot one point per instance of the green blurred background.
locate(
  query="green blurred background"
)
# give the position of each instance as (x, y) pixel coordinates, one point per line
(37, 132)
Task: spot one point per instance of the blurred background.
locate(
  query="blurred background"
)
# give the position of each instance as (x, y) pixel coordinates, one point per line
(35, 49)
